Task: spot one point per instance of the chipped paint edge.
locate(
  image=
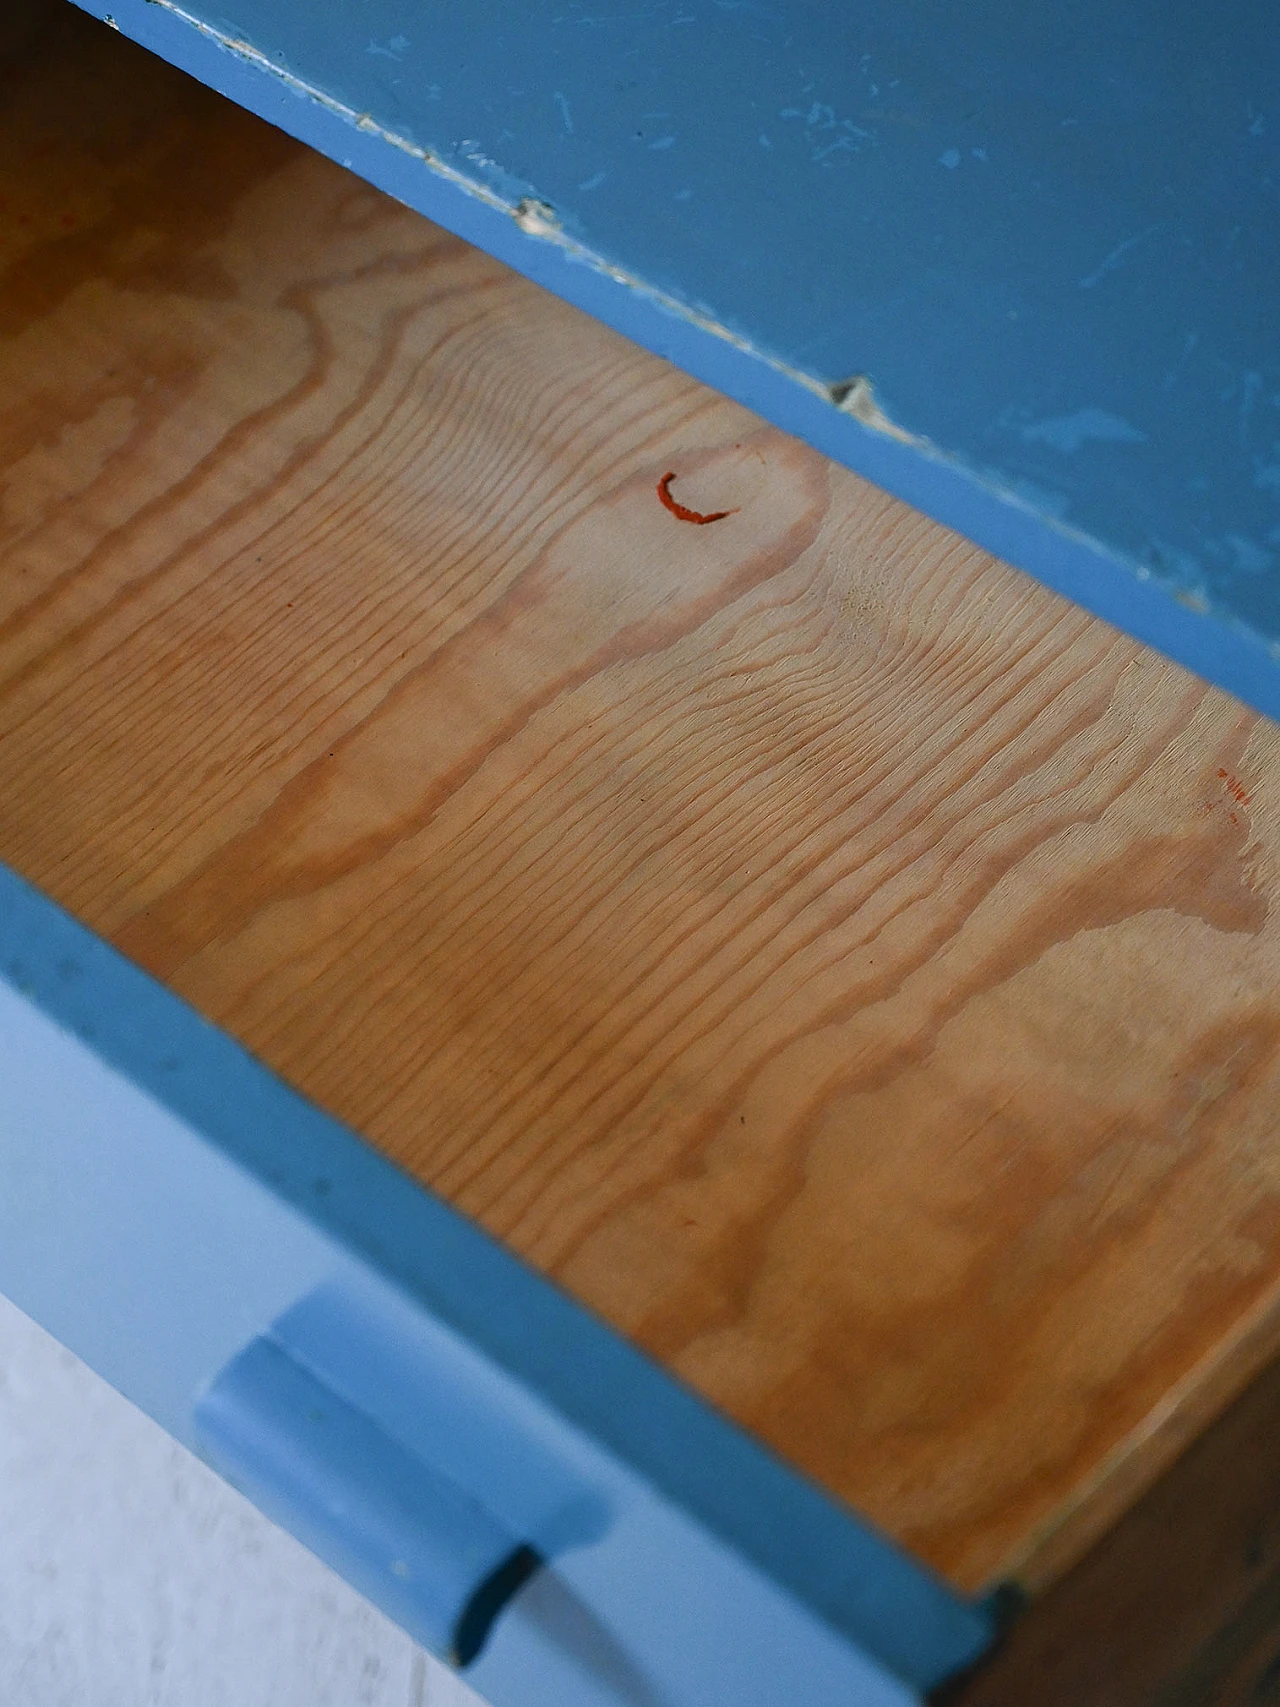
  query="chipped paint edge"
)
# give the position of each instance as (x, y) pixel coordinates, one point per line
(853, 396)
(538, 219)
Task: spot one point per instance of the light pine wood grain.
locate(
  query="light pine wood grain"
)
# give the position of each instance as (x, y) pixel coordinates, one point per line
(846, 967)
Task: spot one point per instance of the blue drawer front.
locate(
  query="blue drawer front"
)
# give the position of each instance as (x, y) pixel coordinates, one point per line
(228, 1256)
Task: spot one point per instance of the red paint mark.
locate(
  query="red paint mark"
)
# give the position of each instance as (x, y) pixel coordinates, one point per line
(1236, 789)
(1234, 819)
(68, 220)
(681, 513)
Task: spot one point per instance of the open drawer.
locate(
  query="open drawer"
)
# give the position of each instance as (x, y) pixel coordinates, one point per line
(671, 1064)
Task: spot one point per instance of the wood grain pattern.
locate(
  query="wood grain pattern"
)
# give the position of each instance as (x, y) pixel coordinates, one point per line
(846, 967)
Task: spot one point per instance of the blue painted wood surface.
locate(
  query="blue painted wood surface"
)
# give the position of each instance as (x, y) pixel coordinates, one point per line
(1020, 266)
(316, 1461)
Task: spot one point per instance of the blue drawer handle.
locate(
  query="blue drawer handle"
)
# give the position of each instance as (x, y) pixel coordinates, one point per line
(413, 1542)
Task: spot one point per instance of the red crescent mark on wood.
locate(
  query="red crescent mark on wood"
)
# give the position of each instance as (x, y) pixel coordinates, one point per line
(686, 515)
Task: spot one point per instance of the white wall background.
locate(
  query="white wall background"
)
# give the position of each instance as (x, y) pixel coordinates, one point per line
(131, 1576)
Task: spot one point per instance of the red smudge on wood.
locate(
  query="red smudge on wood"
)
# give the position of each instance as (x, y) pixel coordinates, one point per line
(681, 512)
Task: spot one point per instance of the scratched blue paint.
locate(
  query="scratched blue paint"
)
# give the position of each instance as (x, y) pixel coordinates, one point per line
(1049, 240)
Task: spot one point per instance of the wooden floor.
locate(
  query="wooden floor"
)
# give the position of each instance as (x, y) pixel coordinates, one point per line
(846, 967)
